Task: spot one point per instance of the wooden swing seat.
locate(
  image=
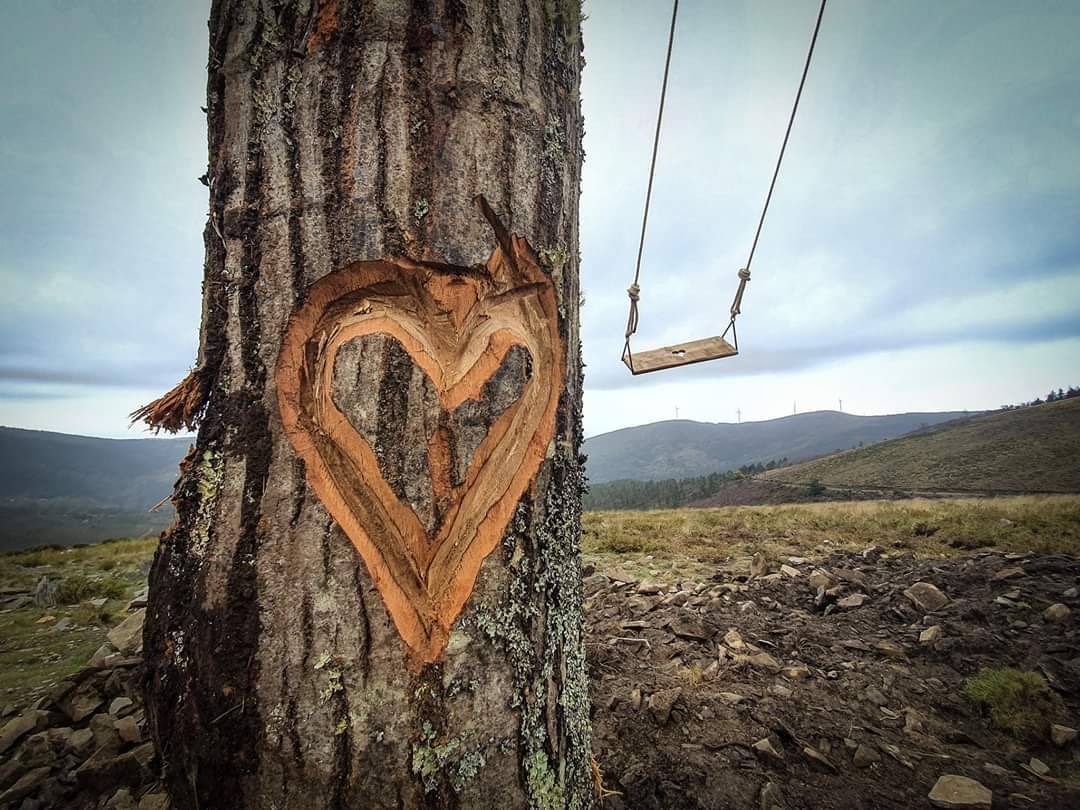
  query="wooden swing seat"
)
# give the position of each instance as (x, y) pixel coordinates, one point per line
(680, 354)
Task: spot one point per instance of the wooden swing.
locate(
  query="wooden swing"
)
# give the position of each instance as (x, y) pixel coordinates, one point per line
(710, 348)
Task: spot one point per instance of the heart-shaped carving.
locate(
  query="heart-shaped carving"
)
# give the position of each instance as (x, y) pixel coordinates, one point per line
(457, 324)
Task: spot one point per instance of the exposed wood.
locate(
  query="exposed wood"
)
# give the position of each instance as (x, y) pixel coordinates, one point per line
(679, 354)
(457, 324)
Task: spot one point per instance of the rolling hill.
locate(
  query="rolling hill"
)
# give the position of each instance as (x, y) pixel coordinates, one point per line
(56, 488)
(684, 449)
(1032, 449)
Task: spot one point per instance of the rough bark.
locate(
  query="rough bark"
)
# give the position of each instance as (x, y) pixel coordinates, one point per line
(359, 132)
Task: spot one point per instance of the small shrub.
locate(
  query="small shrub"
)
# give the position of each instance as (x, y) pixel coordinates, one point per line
(78, 588)
(1017, 702)
(816, 488)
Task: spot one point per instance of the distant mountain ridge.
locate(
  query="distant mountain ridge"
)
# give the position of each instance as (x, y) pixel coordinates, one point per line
(684, 449)
(58, 488)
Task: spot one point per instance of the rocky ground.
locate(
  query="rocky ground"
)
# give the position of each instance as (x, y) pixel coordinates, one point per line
(836, 682)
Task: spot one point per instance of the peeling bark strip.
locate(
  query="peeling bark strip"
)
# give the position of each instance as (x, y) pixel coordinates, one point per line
(457, 324)
(340, 131)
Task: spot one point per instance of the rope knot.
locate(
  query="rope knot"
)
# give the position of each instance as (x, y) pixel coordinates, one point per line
(744, 274)
(634, 291)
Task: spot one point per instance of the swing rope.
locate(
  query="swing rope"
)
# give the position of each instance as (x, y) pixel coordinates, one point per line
(634, 290)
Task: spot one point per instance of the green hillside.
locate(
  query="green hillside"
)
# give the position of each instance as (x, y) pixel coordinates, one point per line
(1033, 449)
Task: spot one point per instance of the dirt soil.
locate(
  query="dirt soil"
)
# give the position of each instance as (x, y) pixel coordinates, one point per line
(678, 705)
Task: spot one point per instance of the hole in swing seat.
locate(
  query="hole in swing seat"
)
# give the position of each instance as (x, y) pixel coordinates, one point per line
(681, 354)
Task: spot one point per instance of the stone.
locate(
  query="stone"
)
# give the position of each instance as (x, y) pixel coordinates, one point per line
(816, 756)
(26, 722)
(865, 756)
(912, 722)
(790, 571)
(36, 751)
(1062, 735)
(27, 784)
(1057, 613)
(10, 772)
(127, 636)
(780, 691)
(873, 553)
(995, 770)
(799, 672)
(926, 597)
(759, 566)
(690, 628)
(105, 736)
(661, 703)
(931, 635)
(764, 749)
(649, 588)
(955, 792)
(97, 660)
(119, 705)
(139, 601)
(856, 600)
(1038, 766)
(678, 599)
(635, 699)
(760, 660)
(1071, 593)
(64, 624)
(82, 742)
(45, 592)
(734, 640)
(154, 801)
(1008, 573)
(820, 578)
(127, 728)
(99, 602)
(890, 649)
(81, 703)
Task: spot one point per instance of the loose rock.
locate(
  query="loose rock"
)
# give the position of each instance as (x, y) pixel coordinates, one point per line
(661, 704)
(960, 793)
(1062, 735)
(865, 756)
(926, 597)
(931, 635)
(1057, 613)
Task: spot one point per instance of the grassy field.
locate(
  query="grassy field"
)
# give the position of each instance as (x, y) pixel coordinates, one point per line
(34, 653)
(689, 540)
(1033, 449)
(665, 545)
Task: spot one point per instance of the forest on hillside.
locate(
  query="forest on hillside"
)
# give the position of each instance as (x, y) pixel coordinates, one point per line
(669, 493)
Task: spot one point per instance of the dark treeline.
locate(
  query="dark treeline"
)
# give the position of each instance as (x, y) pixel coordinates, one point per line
(669, 493)
(1051, 396)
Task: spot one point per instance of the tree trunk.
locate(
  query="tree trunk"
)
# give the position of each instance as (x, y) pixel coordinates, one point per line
(372, 593)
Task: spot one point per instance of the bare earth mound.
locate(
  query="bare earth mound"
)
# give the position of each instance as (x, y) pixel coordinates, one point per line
(855, 712)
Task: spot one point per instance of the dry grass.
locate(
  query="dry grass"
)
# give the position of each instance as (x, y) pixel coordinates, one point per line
(34, 656)
(927, 528)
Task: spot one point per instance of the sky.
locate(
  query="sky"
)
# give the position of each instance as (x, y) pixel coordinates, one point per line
(921, 252)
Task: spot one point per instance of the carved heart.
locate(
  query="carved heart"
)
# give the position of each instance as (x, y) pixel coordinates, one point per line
(457, 324)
